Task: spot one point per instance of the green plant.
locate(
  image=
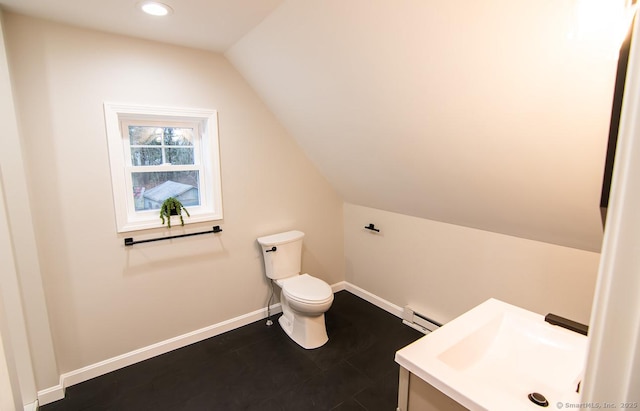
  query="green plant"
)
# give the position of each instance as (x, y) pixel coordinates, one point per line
(172, 206)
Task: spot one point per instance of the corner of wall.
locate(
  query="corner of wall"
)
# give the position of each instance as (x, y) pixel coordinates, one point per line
(33, 344)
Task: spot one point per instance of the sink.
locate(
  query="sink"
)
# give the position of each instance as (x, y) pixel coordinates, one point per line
(494, 355)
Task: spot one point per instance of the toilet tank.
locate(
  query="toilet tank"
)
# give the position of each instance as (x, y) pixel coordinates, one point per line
(285, 260)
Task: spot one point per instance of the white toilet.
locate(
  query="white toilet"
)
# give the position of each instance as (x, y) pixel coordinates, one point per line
(304, 298)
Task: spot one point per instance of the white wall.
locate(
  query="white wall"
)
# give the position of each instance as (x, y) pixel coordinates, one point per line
(613, 369)
(443, 270)
(103, 299)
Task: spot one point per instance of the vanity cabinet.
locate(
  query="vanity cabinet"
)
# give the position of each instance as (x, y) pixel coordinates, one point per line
(415, 394)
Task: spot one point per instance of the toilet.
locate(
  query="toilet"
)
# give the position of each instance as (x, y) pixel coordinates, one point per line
(304, 298)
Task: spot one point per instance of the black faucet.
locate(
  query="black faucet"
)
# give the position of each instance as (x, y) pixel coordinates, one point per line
(566, 323)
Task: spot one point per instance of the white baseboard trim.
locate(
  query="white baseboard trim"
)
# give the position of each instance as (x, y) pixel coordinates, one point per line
(56, 393)
(374, 299)
(51, 394)
(342, 285)
(68, 379)
(31, 407)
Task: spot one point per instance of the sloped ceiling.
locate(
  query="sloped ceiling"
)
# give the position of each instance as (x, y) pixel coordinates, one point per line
(489, 114)
(486, 114)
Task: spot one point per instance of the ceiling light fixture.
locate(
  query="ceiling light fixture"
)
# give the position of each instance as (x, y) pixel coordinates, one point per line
(154, 8)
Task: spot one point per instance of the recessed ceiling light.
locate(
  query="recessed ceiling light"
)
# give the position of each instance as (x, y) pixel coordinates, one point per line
(154, 8)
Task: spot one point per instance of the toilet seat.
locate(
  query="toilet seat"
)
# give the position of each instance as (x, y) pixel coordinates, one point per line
(306, 289)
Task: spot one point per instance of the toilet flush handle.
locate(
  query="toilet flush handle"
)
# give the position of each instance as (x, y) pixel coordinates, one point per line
(274, 248)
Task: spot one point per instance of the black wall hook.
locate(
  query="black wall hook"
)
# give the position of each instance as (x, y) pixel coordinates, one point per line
(372, 227)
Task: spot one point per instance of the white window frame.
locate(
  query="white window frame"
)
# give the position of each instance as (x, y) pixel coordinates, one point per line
(206, 157)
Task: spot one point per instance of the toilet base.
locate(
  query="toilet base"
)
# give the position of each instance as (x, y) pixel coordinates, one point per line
(306, 329)
(309, 332)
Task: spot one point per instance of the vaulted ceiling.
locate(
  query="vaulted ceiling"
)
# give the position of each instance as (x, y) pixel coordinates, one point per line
(490, 114)
(487, 114)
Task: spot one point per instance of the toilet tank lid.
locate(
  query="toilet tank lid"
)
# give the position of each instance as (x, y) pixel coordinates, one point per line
(281, 238)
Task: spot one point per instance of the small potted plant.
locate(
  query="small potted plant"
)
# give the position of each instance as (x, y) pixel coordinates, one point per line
(172, 206)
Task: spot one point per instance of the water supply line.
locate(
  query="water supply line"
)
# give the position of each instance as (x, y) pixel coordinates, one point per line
(269, 321)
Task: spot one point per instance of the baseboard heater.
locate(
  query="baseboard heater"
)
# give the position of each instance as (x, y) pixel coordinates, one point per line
(419, 321)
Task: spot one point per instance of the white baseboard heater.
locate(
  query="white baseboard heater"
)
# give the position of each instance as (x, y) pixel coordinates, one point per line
(419, 321)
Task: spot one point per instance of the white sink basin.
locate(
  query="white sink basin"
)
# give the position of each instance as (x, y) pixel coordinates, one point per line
(493, 356)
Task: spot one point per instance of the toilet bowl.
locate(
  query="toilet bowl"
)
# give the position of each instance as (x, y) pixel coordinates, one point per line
(304, 301)
(307, 294)
(304, 298)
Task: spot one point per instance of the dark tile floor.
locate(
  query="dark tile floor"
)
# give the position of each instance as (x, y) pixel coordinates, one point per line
(259, 368)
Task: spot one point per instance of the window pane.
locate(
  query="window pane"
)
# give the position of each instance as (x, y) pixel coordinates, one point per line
(179, 155)
(145, 135)
(146, 156)
(151, 189)
(174, 136)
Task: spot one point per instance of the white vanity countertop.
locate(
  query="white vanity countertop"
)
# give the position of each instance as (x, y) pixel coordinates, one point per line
(494, 355)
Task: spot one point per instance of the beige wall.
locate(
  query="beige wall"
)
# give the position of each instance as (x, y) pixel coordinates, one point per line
(442, 270)
(10, 386)
(20, 276)
(105, 300)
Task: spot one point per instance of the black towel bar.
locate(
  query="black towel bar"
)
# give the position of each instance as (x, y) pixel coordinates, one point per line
(129, 241)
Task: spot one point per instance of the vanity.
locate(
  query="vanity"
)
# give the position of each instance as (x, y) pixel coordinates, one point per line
(494, 357)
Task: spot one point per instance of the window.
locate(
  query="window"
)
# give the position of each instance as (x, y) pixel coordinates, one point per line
(159, 152)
